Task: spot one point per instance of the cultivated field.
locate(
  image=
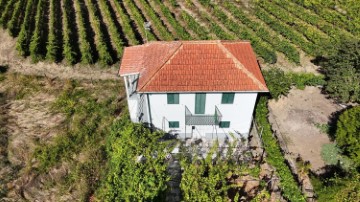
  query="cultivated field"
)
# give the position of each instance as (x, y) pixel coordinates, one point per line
(96, 31)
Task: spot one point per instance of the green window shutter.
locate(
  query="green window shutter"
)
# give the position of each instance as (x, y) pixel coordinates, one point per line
(173, 98)
(227, 98)
(224, 124)
(174, 124)
(200, 101)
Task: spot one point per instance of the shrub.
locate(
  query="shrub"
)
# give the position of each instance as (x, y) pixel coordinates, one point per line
(348, 133)
(342, 70)
(137, 167)
(331, 155)
(279, 82)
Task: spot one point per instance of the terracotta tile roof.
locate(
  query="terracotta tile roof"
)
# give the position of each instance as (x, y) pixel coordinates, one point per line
(194, 66)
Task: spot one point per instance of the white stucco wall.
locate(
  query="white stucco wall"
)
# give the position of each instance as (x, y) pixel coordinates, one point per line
(239, 113)
(132, 97)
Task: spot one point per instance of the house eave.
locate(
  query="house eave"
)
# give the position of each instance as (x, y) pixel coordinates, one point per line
(161, 92)
(129, 74)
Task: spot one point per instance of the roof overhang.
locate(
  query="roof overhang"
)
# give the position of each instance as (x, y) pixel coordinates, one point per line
(184, 92)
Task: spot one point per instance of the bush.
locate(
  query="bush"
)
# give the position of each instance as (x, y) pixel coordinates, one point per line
(331, 155)
(348, 133)
(342, 70)
(136, 164)
(279, 82)
(337, 188)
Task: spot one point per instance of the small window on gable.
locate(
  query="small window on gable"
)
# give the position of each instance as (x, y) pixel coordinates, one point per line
(173, 98)
(224, 124)
(227, 98)
(174, 124)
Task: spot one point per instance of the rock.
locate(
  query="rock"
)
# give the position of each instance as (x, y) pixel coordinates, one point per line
(266, 171)
(249, 184)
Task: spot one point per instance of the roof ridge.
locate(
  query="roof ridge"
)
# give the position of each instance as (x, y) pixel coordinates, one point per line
(241, 66)
(161, 66)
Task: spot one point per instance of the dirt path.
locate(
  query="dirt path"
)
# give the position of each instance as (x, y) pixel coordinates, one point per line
(295, 116)
(9, 56)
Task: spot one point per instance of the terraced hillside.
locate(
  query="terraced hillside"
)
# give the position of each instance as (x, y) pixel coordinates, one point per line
(96, 31)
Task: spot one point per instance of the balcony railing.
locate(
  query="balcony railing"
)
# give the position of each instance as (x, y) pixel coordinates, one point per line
(202, 119)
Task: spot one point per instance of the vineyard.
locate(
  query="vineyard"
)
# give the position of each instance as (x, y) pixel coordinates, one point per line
(96, 31)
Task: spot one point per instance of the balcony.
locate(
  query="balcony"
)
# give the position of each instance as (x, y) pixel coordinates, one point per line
(202, 119)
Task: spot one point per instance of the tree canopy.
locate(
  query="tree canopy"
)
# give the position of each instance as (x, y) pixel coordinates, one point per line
(342, 70)
(348, 133)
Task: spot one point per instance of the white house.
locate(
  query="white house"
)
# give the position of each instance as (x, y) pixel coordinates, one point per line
(193, 88)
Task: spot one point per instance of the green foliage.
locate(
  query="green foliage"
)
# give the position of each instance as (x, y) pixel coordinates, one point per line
(6, 15)
(87, 52)
(137, 165)
(68, 41)
(342, 70)
(275, 158)
(324, 128)
(113, 29)
(310, 17)
(338, 188)
(53, 46)
(87, 119)
(126, 24)
(283, 46)
(286, 31)
(325, 9)
(311, 33)
(102, 43)
(23, 41)
(180, 31)
(211, 178)
(260, 47)
(348, 133)
(264, 195)
(14, 23)
(195, 26)
(139, 20)
(156, 22)
(300, 80)
(279, 82)
(37, 43)
(331, 154)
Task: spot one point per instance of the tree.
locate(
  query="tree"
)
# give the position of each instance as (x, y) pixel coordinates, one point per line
(348, 133)
(342, 70)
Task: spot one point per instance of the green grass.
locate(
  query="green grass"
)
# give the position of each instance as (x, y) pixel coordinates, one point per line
(324, 128)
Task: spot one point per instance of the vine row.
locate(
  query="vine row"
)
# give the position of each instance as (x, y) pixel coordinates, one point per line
(156, 22)
(39, 37)
(280, 45)
(138, 18)
(113, 28)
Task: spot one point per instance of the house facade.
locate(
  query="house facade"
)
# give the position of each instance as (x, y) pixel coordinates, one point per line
(193, 88)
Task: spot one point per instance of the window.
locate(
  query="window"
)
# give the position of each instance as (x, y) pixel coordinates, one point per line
(200, 99)
(224, 124)
(173, 98)
(174, 124)
(227, 98)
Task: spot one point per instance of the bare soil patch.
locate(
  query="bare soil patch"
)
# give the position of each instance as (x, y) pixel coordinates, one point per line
(295, 116)
(9, 56)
